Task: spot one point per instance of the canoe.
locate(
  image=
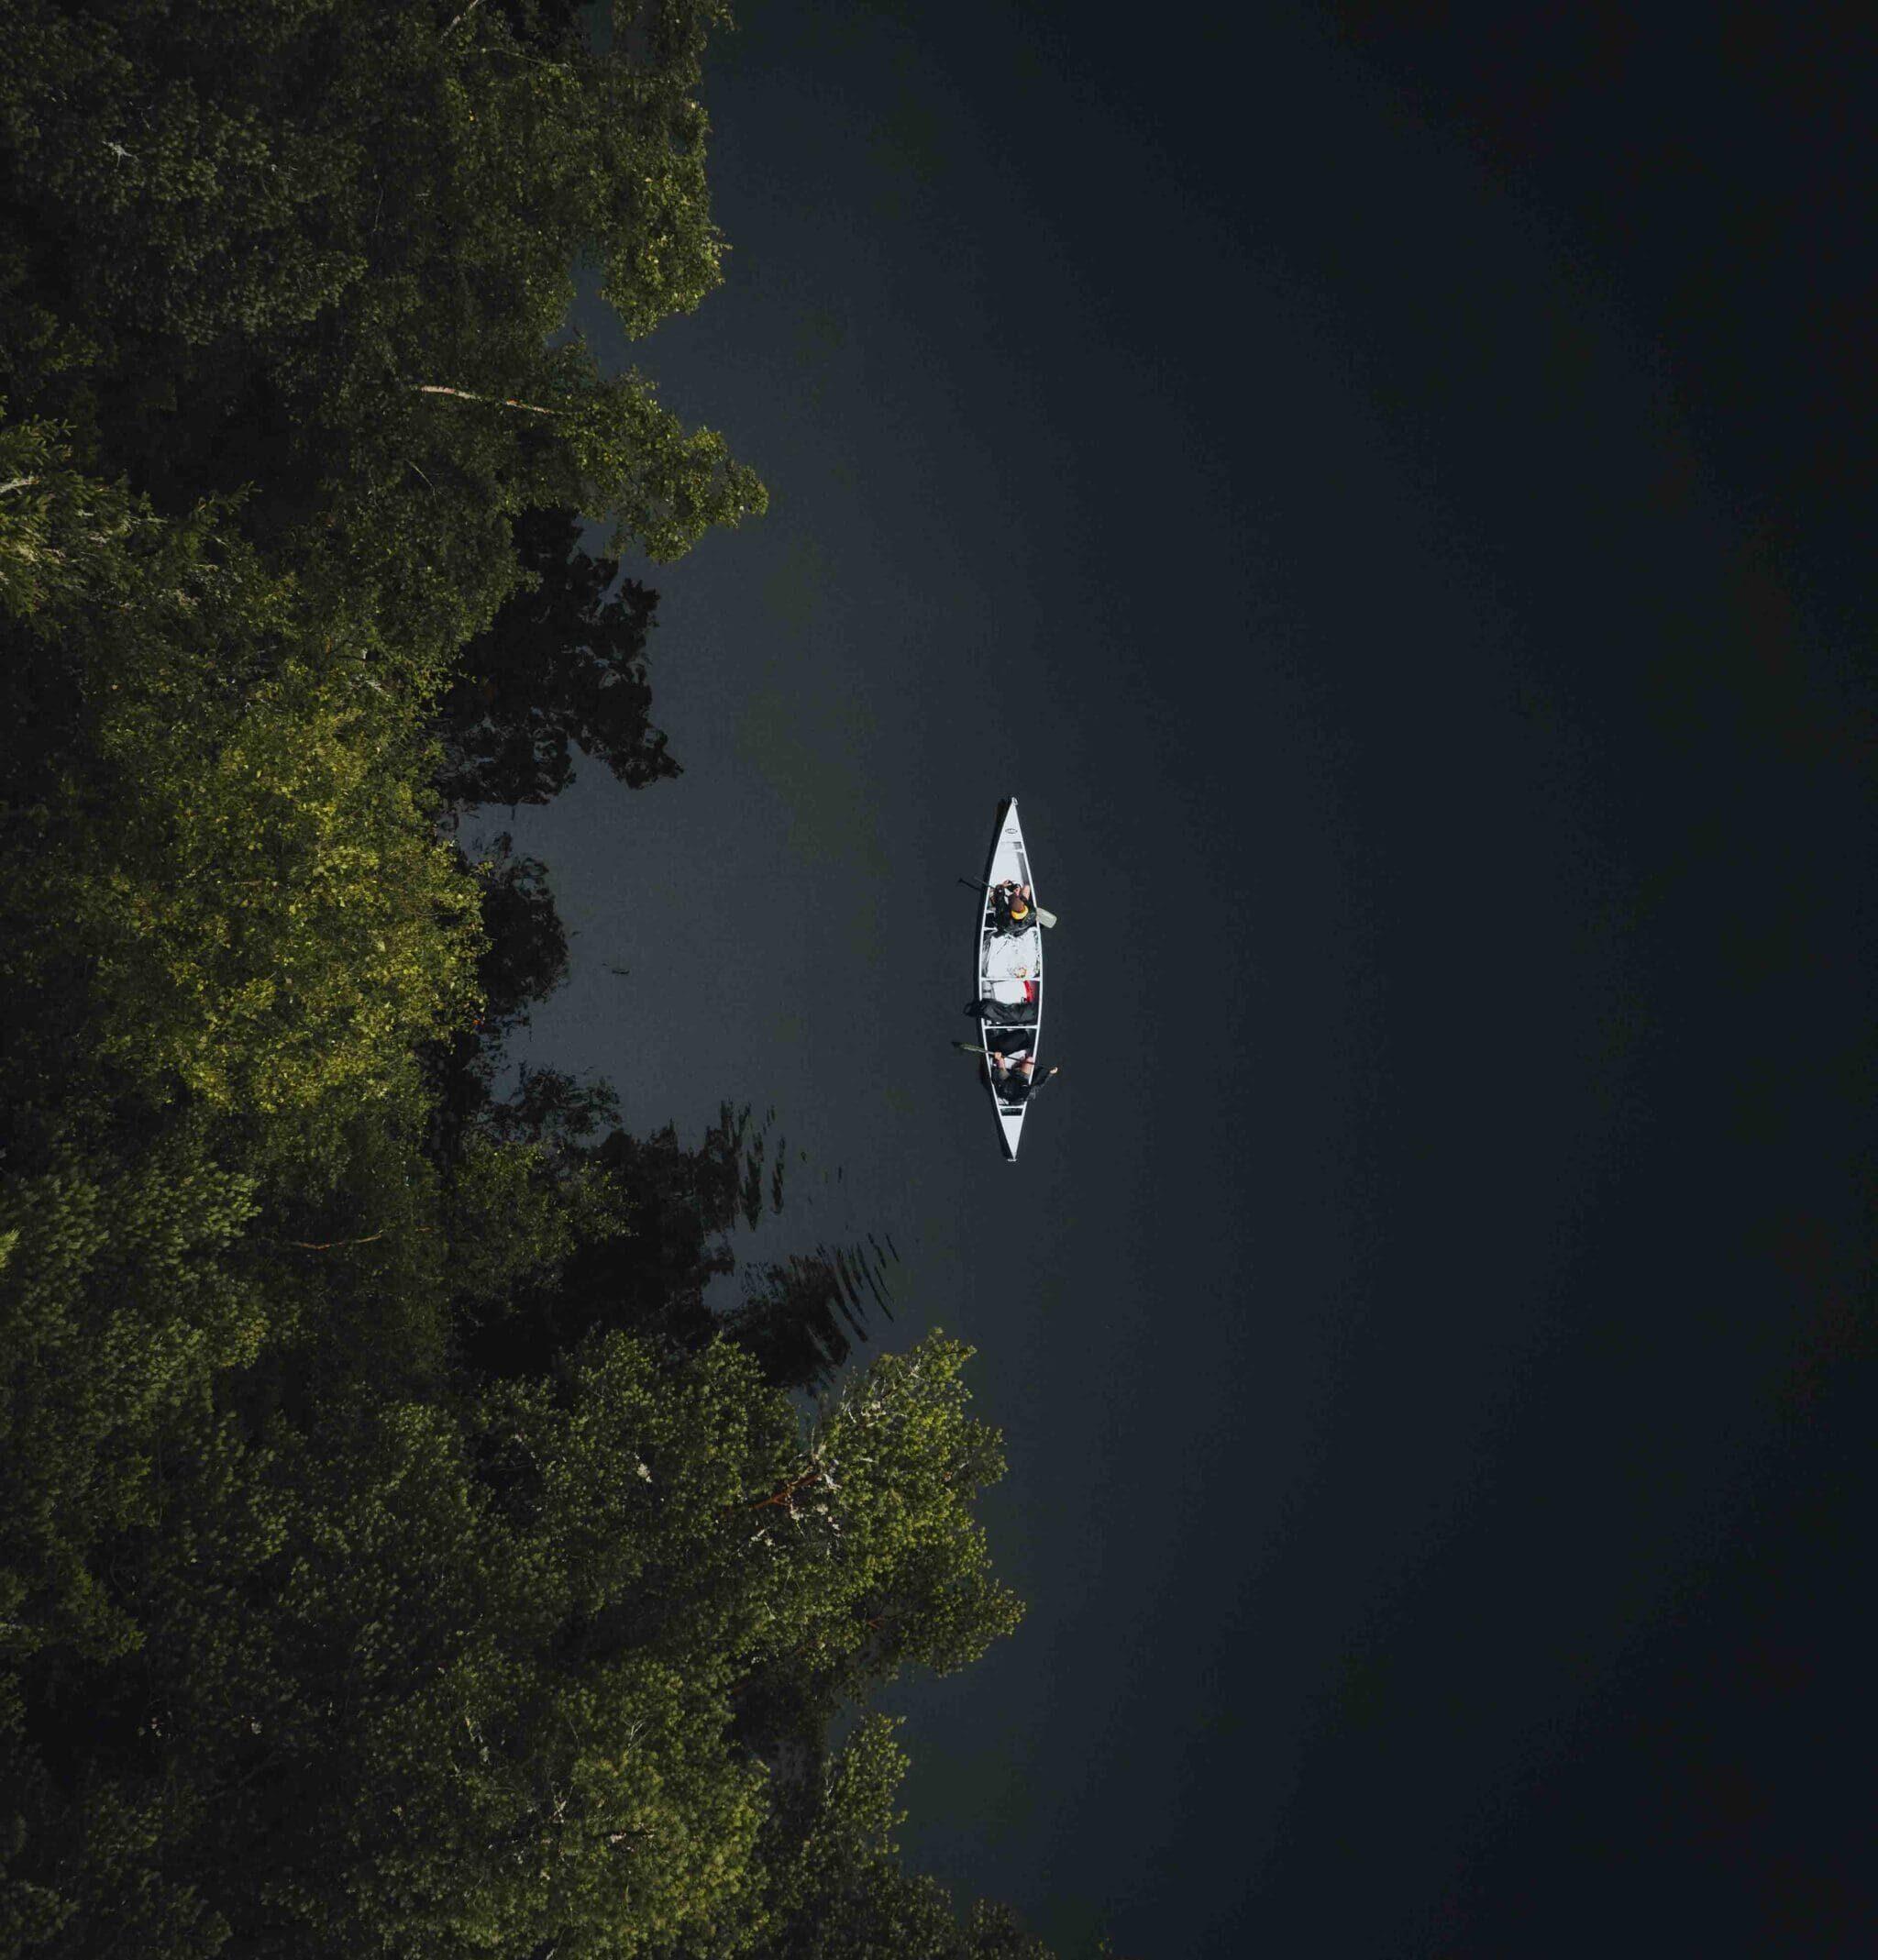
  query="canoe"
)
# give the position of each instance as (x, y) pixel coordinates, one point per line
(1009, 966)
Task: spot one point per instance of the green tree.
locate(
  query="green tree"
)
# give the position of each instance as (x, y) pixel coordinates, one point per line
(327, 248)
(393, 1555)
(513, 1214)
(120, 1302)
(873, 1524)
(234, 854)
(442, 1677)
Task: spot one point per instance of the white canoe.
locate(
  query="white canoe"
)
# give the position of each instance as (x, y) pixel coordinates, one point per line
(1008, 965)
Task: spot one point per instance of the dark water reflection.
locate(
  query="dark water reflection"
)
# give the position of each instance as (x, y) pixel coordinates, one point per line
(684, 1273)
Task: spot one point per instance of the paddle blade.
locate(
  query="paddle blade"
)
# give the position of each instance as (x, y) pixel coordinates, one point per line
(1046, 918)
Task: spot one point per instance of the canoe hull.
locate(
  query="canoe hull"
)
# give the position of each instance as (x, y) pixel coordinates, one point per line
(1008, 966)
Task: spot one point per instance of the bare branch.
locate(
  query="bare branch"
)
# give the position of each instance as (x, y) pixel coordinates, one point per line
(324, 1244)
(463, 394)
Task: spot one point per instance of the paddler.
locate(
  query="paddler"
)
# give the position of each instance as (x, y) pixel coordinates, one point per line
(1010, 1060)
(1013, 911)
(1014, 1077)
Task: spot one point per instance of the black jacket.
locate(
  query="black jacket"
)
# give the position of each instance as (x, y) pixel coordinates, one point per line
(1001, 921)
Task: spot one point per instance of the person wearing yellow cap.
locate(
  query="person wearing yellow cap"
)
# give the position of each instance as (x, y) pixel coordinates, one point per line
(1012, 908)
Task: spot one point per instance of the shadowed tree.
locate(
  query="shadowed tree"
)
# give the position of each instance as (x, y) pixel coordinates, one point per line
(652, 1281)
(562, 666)
(522, 959)
(525, 956)
(800, 1317)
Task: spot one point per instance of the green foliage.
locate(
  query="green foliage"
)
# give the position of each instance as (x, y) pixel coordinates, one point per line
(244, 868)
(210, 177)
(484, 1795)
(119, 1303)
(874, 1523)
(327, 248)
(393, 1557)
(41, 508)
(513, 1213)
(271, 929)
(470, 1672)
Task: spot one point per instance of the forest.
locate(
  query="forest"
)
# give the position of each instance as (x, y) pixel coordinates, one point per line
(402, 1547)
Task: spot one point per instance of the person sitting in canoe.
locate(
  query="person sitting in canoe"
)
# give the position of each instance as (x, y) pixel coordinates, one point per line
(1013, 1065)
(1010, 1061)
(1012, 908)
